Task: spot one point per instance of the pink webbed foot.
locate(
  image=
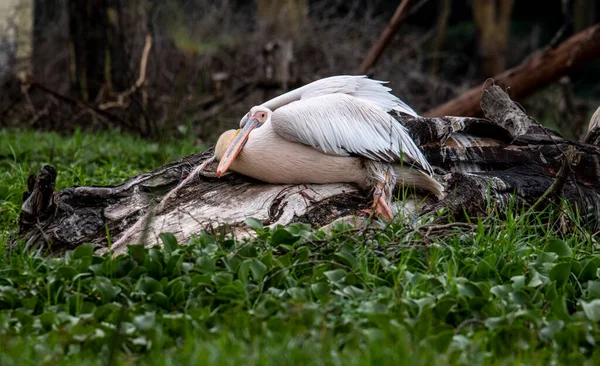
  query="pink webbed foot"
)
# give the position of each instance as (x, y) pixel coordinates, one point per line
(379, 206)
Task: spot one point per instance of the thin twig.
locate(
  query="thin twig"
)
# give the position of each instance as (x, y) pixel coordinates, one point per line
(143, 223)
(120, 102)
(108, 117)
(188, 179)
(571, 158)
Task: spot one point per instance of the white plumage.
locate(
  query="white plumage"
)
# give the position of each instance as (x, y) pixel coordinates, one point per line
(343, 125)
(357, 86)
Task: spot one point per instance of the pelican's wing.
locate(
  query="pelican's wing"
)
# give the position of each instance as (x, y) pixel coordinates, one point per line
(358, 86)
(340, 124)
(593, 126)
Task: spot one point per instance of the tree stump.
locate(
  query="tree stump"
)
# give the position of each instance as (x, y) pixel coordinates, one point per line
(504, 157)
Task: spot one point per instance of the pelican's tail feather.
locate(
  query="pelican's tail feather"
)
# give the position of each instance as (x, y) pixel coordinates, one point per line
(412, 177)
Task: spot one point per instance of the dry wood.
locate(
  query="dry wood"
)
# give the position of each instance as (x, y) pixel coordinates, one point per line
(480, 161)
(537, 71)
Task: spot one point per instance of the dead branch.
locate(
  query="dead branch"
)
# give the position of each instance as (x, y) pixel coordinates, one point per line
(107, 117)
(388, 32)
(121, 97)
(535, 72)
(555, 191)
(38, 200)
(498, 106)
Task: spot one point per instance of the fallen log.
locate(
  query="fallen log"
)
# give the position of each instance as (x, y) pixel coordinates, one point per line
(535, 72)
(504, 157)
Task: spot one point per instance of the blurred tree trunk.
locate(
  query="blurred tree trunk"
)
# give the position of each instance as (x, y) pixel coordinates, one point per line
(50, 46)
(90, 51)
(281, 19)
(15, 36)
(23, 19)
(445, 7)
(585, 13)
(7, 39)
(492, 22)
(15, 49)
(98, 47)
(130, 24)
(107, 38)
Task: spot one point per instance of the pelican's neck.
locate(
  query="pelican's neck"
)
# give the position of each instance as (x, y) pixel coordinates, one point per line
(284, 99)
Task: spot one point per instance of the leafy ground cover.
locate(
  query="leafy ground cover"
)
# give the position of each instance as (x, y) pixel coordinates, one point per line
(510, 290)
(100, 158)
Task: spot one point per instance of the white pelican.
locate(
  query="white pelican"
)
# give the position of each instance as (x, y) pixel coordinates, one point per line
(334, 130)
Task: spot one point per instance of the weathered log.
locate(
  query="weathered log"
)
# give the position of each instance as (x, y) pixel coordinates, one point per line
(480, 161)
(537, 71)
(93, 214)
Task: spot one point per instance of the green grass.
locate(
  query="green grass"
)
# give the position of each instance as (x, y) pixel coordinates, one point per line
(499, 291)
(101, 158)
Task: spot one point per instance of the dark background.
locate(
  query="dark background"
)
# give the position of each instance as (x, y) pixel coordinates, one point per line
(210, 61)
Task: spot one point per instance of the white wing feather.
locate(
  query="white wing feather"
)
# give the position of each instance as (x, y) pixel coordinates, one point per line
(340, 124)
(358, 86)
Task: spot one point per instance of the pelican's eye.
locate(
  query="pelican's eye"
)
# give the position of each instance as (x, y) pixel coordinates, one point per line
(261, 116)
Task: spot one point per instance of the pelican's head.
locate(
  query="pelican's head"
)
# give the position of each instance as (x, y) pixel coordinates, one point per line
(257, 116)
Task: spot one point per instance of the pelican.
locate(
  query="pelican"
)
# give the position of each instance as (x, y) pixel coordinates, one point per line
(593, 127)
(334, 130)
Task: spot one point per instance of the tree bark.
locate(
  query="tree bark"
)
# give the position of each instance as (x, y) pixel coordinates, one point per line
(481, 162)
(492, 21)
(99, 56)
(537, 71)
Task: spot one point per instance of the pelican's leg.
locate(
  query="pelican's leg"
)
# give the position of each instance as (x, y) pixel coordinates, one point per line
(383, 183)
(380, 206)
